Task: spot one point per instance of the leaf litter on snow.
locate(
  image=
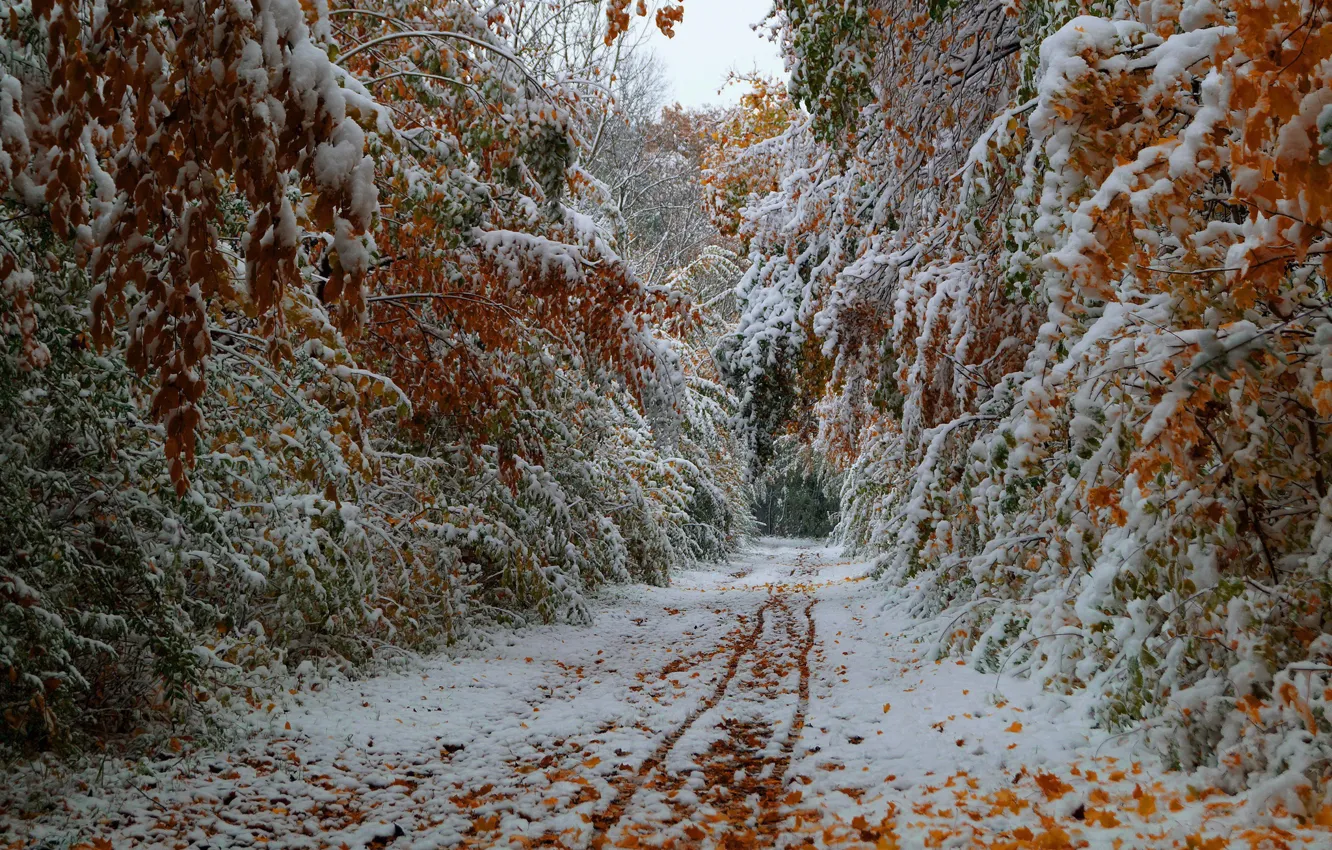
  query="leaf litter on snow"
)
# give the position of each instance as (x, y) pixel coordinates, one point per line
(788, 707)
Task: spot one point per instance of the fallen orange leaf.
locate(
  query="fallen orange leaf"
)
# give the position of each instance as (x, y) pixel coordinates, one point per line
(1051, 785)
(1054, 839)
(1106, 820)
(1147, 805)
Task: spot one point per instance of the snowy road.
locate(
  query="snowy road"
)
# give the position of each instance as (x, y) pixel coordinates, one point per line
(777, 702)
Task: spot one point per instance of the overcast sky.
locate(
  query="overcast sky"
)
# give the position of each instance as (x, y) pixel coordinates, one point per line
(715, 38)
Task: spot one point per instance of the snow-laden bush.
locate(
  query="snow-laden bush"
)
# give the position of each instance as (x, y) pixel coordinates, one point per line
(120, 600)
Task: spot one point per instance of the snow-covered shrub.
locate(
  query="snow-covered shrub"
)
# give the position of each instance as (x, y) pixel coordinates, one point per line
(77, 582)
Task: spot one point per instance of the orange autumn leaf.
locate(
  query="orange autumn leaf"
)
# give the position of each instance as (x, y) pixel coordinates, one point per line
(1052, 786)
(1102, 818)
(1146, 806)
(1054, 838)
(1322, 395)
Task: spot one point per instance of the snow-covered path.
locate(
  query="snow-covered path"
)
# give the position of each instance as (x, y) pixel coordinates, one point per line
(777, 702)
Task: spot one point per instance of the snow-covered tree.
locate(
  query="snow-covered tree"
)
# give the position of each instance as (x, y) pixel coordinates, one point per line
(1067, 264)
(310, 347)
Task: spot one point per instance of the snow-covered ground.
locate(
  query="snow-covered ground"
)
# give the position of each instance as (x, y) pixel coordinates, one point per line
(778, 701)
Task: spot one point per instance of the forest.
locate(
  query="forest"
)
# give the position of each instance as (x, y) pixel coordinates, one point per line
(338, 337)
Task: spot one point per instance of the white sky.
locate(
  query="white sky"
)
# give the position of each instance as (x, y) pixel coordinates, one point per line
(714, 39)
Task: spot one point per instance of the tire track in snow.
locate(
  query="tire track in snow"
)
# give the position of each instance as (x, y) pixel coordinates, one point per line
(802, 698)
(743, 799)
(739, 781)
(770, 820)
(628, 786)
